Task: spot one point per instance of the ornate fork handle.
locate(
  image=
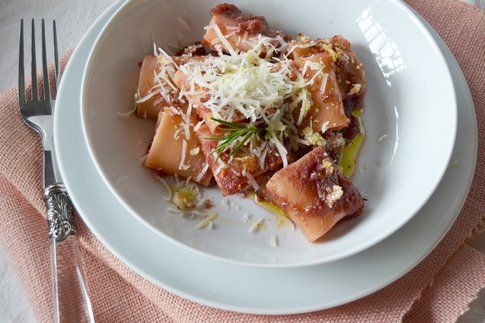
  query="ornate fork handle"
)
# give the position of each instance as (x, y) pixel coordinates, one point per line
(71, 301)
(59, 212)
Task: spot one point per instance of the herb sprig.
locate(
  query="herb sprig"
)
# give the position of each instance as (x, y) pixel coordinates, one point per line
(236, 130)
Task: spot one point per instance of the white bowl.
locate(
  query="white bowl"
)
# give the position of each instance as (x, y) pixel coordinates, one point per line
(410, 98)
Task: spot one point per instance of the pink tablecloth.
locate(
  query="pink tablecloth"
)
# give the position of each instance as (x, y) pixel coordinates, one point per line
(438, 289)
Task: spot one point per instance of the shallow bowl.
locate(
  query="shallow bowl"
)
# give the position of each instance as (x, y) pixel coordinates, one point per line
(410, 122)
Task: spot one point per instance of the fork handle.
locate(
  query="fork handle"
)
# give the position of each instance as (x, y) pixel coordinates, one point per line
(71, 300)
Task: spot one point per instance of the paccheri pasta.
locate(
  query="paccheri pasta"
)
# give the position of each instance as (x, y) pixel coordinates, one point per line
(256, 110)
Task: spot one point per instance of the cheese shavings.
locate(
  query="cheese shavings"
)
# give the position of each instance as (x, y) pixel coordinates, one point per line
(251, 180)
(381, 138)
(223, 39)
(265, 91)
(256, 226)
(206, 222)
(355, 89)
(202, 172)
(273, 241)
(194, 151)
(167, 187)
(126, 115)
(182, 165)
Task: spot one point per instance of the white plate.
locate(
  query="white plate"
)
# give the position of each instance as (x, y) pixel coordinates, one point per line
(412, 158)
(243, 289)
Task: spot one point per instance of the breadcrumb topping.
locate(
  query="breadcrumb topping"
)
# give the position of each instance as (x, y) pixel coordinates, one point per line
(355, 89)
(334, 194)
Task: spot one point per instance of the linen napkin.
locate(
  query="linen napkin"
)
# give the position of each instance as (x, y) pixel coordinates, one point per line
(438, 289)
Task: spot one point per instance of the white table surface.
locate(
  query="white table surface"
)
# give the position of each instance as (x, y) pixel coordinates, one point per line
(73, 18)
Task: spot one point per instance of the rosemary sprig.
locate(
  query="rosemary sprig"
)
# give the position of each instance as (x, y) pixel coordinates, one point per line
(235, 131)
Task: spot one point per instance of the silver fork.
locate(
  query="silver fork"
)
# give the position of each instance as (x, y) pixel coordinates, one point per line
(71, 300)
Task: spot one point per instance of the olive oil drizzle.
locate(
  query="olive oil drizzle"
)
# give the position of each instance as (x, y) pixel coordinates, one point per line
(347, 163)
(349, 155)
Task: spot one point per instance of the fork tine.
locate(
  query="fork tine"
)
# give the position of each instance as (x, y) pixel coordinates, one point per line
(35, 91)
(45, 69)
(56, 54)
(21, 65)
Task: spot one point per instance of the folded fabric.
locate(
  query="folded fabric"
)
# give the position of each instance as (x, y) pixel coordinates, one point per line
(438, 289)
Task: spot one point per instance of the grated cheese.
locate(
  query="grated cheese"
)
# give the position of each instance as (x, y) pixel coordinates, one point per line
(251, 181)
(273, 241)
(381, 138)
(256, 226)
(194, 151)
(220, 167)
(202, 172)
(323, 86)
(355, 89)
(207, 221)
(198, 125)
(177, 132)
(146, 97)
(182, 166)
(167, 187)
(126, 115)
(186, 118)
(223, 39)
(264, 91)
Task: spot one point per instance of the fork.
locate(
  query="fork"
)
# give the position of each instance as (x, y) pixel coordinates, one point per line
(71, 300)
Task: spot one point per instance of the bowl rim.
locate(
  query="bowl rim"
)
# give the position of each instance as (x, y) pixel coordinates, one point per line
(409, 13)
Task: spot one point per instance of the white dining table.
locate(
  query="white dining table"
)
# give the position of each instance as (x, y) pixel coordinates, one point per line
(73, 18)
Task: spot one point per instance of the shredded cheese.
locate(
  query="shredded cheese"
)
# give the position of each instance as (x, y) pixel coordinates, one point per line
(381, 138)
(223, 39)
(202, 172)
(256, 226)
(273, 241)
(147, 97)
(182, 165)
(167, 187)
(126, 115)
(207, 221)
(266, 91)
(355, 89)
(198, 125)
(251, 181)
(194, 151)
